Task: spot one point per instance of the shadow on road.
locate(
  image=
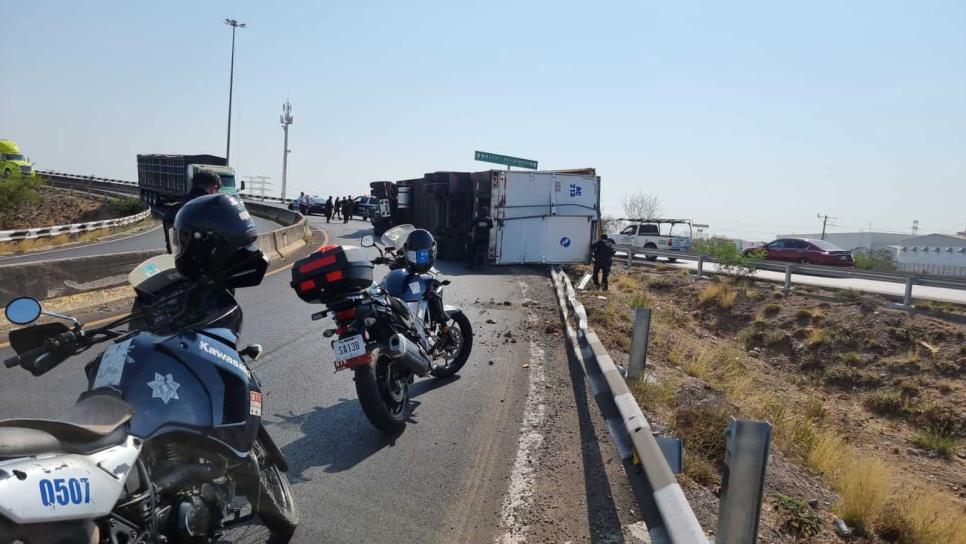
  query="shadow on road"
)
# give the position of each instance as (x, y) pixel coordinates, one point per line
(336, 437)
(339, 437)
(601, 509)
(427, 385)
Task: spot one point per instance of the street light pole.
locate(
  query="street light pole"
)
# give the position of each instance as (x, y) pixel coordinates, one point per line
(285, 119)
(235, 25)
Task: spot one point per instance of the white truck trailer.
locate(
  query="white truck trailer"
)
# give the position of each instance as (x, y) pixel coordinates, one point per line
(543, 217)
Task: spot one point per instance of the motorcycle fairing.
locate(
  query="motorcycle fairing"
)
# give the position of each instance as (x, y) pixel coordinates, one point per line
(62, 487)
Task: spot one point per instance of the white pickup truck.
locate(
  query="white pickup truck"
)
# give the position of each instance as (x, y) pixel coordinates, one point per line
(660, 234)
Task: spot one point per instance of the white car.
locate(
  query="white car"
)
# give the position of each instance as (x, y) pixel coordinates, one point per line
(660, 234)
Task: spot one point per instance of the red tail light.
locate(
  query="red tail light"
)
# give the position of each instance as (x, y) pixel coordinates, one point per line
(315, 265)
(345, 315)
(307, 285)
(333, 276)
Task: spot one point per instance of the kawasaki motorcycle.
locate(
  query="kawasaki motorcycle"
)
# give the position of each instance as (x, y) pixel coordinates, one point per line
(387, 333)
(162, 444)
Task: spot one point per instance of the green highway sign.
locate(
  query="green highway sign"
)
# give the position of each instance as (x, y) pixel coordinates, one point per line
(503, 159)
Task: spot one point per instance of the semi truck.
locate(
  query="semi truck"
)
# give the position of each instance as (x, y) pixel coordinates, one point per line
(538, 217)
(13, 164)
(166, 179)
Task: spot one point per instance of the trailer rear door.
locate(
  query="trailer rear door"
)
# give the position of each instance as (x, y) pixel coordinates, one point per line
(543, 217)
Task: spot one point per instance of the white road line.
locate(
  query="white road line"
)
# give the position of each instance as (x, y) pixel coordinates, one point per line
(520, 492)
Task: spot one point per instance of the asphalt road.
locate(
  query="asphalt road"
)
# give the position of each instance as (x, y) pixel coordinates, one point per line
(149, 239)
(442, 480)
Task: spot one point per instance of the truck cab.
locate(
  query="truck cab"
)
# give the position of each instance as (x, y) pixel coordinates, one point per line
(13, 164)
(226, 173)
(660, 234)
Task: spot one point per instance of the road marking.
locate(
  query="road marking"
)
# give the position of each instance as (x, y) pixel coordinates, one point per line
(76, 246)
(325, 240)
(520, 492)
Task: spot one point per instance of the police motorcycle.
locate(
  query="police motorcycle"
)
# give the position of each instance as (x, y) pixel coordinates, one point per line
(168, 436)
(390, 332)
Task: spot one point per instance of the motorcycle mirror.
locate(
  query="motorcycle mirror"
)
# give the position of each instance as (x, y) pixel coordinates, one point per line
(368, 241)
(23, 310)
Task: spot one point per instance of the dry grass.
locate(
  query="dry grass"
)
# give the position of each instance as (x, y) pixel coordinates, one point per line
(936, 438)
(653, 393)
(719, 294)
(770, 310)
(817, 337)
(874, 498)
(871, 494)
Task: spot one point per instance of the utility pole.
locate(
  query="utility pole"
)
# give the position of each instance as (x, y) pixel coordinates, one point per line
(825, 219)
(235, 25)
(286, 119)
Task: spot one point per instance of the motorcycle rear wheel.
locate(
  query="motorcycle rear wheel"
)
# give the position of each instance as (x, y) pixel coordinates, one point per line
(384, 395)
(273, 501)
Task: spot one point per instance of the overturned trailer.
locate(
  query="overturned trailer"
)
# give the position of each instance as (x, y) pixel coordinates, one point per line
(539, 217)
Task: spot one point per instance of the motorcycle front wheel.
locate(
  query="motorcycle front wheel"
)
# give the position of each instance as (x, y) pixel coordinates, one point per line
(273, 501)
(463, 337)
(383, 392)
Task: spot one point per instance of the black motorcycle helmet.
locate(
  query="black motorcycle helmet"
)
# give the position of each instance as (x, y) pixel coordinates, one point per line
(420, 251)
(216, 236)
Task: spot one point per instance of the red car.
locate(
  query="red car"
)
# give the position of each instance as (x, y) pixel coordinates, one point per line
(805, 251)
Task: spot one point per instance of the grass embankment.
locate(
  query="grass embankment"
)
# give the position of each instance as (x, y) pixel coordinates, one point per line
(874, 496)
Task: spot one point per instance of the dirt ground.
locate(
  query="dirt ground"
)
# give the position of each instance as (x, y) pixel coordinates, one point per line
(61, 208)
(890, 382)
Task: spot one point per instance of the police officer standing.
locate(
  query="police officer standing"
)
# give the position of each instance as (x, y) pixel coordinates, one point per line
(346, 209)
(479, 239)
(603, 252)
(328, 209)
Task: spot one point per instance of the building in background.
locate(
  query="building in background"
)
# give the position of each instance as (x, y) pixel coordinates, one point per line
(941, 254)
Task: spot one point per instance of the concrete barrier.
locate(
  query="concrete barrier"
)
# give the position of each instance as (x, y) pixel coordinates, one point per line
(61, 277)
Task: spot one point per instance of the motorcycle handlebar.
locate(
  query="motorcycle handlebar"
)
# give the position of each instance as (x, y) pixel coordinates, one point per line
(27, 356)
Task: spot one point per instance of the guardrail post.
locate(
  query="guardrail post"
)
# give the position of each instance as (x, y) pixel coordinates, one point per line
(788, 279)
(639, 339)
(700, 266)
(743, 481)
(907, 299)
(630, 257)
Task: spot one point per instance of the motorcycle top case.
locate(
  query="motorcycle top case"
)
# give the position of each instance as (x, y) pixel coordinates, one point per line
(330, 272)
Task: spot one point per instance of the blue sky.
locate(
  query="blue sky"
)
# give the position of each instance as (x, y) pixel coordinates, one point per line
(749, 116)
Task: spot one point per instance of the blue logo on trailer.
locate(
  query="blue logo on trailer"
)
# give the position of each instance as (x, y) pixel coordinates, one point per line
(565, 242)
(574, 190)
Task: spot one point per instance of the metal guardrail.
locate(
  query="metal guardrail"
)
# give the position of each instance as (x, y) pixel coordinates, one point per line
(669, 516)
(926, 280)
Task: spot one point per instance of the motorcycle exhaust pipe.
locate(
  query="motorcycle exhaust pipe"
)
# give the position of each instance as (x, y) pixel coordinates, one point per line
(184, 476)
(408, 354)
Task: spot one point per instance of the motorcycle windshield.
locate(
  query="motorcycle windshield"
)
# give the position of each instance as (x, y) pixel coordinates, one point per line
(395, 236)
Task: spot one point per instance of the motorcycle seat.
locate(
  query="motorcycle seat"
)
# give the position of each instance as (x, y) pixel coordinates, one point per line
(94, 423)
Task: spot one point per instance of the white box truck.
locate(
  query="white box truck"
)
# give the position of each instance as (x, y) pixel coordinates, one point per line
(543, 217)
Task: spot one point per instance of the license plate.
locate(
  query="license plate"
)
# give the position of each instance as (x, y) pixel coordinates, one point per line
(348, 348)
